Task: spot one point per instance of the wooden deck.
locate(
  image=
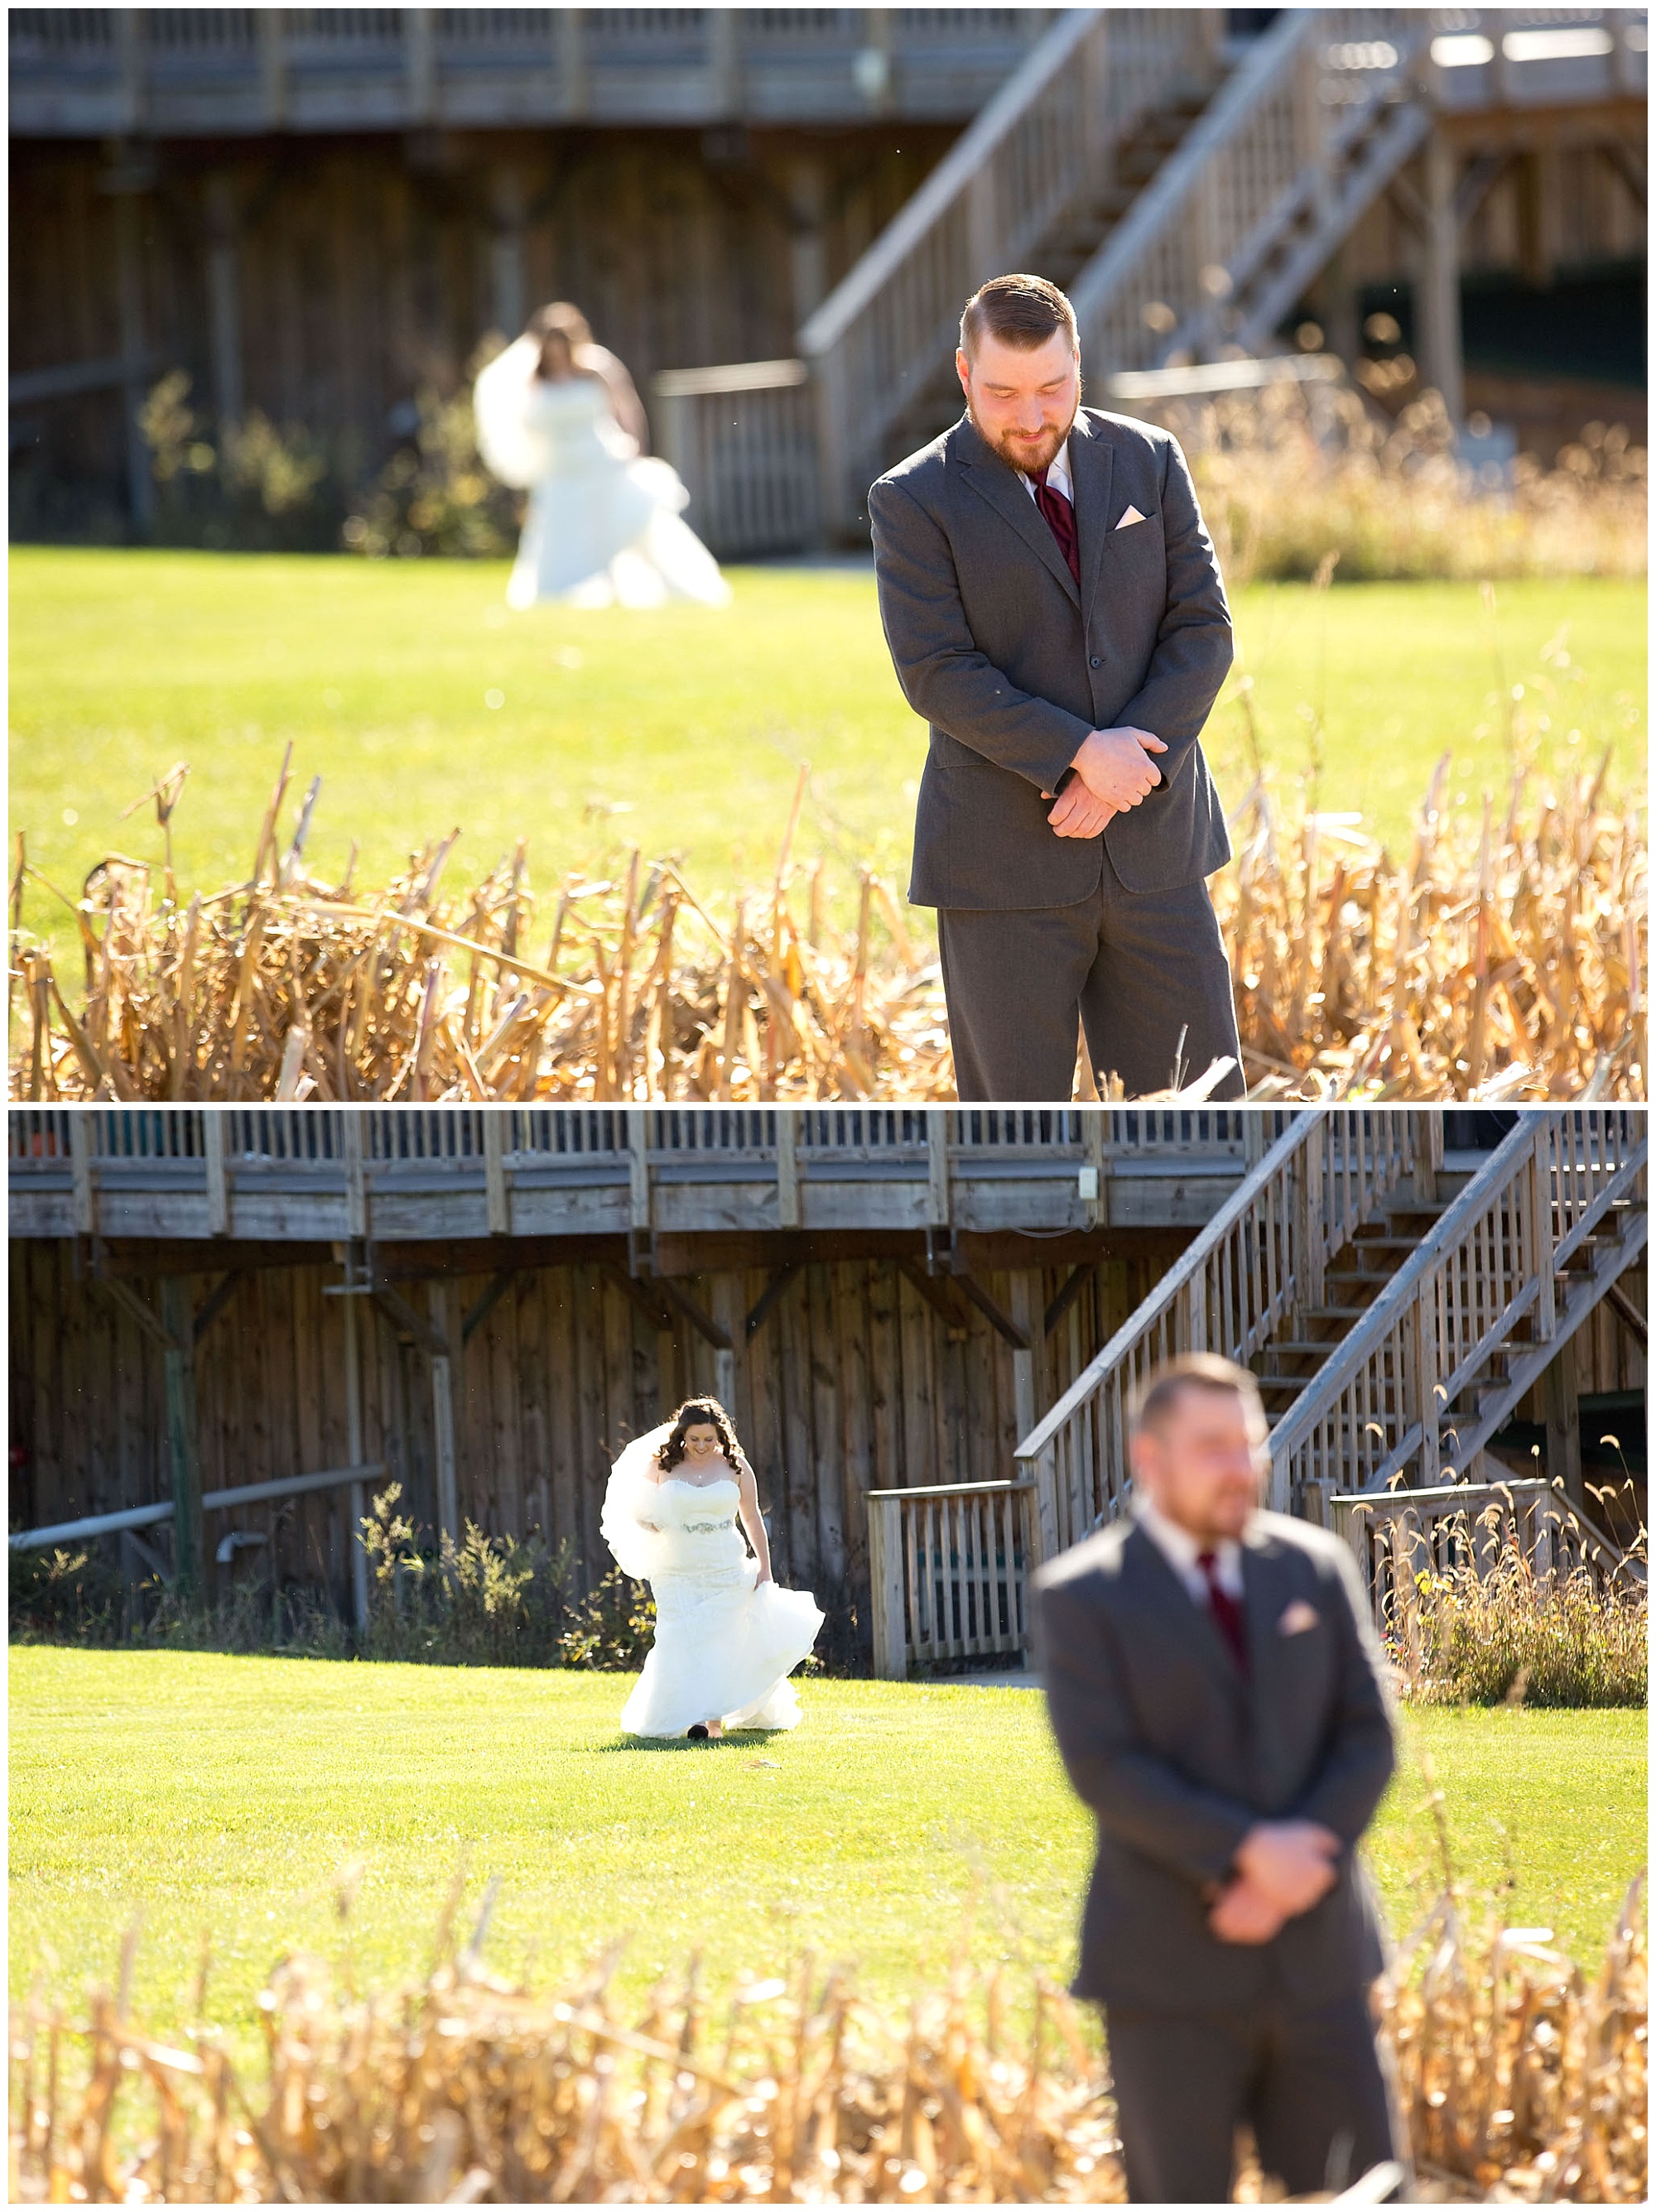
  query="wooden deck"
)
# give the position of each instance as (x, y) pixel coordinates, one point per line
(218, 72)
(321, 1176)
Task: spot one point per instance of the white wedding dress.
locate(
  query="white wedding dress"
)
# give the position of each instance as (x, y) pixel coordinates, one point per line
(725, 1642)
(605, 526)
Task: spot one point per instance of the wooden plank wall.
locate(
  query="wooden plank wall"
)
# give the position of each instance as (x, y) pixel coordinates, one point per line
(366, 266)
(854, 1382)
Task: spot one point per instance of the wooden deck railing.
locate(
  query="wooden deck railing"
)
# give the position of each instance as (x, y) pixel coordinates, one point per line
(1487, 1283)
(1262, 1256)
(947, 1564)
(1041, 148)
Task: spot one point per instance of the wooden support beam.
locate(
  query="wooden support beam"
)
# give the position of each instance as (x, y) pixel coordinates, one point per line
(134, 1548)
(218, 1188)
(1001, 1323)
(356, 1180)
(1074, 1283)
(640, 1290)
(1630, 165)
(486, 1305)
(939, 1211)
(699, 1319)
(402, 1315)
(1437, 306)
(1026, 1304)
(123, 1295)
(217, 1298)
(780, 1279)
(931, 1288)
(182, 1445)
(1637, 1324)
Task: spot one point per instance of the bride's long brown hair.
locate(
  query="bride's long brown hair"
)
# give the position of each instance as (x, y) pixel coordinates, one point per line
(697, 1412)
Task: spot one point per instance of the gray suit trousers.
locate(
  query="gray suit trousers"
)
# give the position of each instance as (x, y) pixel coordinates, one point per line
(1133, 968)
(1308, 2080)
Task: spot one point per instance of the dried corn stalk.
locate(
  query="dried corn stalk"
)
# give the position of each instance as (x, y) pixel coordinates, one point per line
(1519, 2077)
(1498, 962)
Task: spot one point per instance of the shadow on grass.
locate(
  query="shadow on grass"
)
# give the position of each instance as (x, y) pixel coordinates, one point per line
(735, 1741)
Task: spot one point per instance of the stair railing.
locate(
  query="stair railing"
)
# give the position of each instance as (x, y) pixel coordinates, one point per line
(1042, 146)
(1379, 1403)
(1261, 1258)
(1260, 191)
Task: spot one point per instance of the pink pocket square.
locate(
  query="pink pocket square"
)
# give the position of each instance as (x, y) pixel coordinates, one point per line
(1131, 515)
(1296, 1618)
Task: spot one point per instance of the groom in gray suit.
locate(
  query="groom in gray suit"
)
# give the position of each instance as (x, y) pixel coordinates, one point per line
(1219, 1702)
(1054, 612)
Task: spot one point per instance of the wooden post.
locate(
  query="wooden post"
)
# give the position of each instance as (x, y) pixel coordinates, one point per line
(499, 1196)
(272, 66)
(177, 1318)
(569, 32)
(724, 63)
(129, 297)
(982, 225)
(81, 1130)
(788, 1171)
(1428, 1155)
(939, 1214)
(224, 298)
(885, 1581)
(358, 1500)
(1095, 1142)
(506, 251)
(808, 250)
(1563, 1407)
(1437, 323)
(1422, 1320)
(355, 1182)
(725, 1305)
(1026, 1316)
(218, 1189)
(1540, 1231)
(638, 1162)
(1043, 1521)
(1316, 1257)
(440, 1304)
(420, 60)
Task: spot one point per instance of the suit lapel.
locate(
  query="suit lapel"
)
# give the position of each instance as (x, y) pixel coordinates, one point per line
(1092, 464)
(1165, 1592)
(1004, 489)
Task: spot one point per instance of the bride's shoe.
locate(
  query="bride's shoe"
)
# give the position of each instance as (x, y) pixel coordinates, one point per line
(698, 1732)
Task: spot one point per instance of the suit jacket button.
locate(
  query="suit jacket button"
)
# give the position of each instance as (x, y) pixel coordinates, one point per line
(1093, 663)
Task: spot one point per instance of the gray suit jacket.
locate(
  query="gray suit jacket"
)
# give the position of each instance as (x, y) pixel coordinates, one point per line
(1178, 1755)
(1012, 665)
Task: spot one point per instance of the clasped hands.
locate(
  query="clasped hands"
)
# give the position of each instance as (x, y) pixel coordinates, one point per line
(1113, 771)
(1281, 1868)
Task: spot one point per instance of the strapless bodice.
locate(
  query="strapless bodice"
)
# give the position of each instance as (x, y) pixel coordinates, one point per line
(696, 1509)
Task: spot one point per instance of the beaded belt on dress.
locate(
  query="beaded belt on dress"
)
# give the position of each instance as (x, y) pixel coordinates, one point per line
(704, 1527)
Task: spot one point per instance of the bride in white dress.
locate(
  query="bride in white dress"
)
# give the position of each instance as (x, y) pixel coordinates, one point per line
(726, 1638)
(604, 525)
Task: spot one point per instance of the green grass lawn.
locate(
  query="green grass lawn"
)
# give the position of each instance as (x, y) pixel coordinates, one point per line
(681, 730)
(225, 1795)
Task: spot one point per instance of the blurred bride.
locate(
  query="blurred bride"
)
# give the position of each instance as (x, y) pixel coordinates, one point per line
(605, 524)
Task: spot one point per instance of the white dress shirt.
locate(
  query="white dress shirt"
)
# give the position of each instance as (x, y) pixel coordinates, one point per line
(1180, 1549)
(1057, 475)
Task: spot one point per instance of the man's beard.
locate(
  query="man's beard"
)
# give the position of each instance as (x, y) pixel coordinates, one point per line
(1030, 460)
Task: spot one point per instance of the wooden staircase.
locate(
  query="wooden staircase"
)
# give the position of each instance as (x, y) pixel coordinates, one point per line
(1395, 1305)
(1183, 191)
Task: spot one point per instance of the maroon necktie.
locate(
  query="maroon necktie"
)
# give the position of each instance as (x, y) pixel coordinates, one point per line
(1060, 519)
(1225, 1609)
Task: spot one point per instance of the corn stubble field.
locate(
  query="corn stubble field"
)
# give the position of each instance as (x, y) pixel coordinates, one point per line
(1522, 2081)
(1503, 959)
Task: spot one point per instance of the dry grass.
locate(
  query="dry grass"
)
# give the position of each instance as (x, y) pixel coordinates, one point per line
(1555, 1612)
(1521, 2082)
(1503, 959)
(1289, 473)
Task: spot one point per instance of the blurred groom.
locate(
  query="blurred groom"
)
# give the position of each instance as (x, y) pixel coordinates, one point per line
(1054, 610)
(1219, 1702)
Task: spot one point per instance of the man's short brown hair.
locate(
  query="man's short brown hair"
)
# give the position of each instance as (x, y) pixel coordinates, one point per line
(1020, 311)
(1153, 1399)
